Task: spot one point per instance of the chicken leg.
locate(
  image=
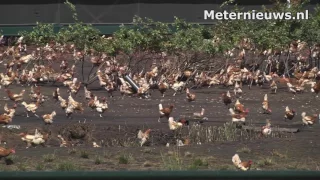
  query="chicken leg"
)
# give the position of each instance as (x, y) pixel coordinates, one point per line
(159, 119)
(100, 115)
(27, 113)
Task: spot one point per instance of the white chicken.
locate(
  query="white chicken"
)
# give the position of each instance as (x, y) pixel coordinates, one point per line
(101, 107)
(177, 86)
(143, 136)
(32, 107)
(35, 139)
(88, 94)
(266, 130)
(308, 120)
(173, 125)
(63, 102)
(237, 89)
(239, 164)
(237, 117)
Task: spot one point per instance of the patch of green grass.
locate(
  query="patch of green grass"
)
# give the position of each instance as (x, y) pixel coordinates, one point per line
(173, 161)
(225, 167)
(147, 164)
(49, 157)
(125, 158)
(22, 166)
(147, 150)
(72, 151)
(9, 160)
(40, 167)
(98, 160)
(244, 150)
(107, 154)
(66, 166)
(265, 162)
(84, 154)
(198, 163)
(188, 154)
(278, 154)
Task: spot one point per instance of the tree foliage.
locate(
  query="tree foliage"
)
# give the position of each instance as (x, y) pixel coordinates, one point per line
(146, 35)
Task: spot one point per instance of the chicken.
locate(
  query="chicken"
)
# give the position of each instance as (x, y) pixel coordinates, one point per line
(35, 139)
(63, 142)
(291, 89)
(241, 165)
(185, 142)
(101, 107)
(173, 125)
(48, 118)
(226, 98)
(76, 105)
(95, 145)
(32, 107)
(237, 117)
(163, 88)
(6, 118)
(237, 90)
(308, 120)
(143, 136)
(69, 110)
(316, 88)
(63, 102)
(190, 96)
(75, 87)
(266, 130)
(177, 86)
(15, 97)
(199, 114)
(265, 105)
(34, 94)
(56, 94)
(165, 112)
(239, 108)
(92, 102)
(289, 114)
(88, 94)
(273, 87)
(4, 152)
(6, 109)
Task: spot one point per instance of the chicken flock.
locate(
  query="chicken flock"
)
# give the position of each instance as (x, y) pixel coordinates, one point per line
(110, 75)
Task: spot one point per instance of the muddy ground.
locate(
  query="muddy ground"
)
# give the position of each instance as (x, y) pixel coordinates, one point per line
(116, 133)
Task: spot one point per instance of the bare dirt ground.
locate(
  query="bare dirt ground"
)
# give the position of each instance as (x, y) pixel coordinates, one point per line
(116, 133)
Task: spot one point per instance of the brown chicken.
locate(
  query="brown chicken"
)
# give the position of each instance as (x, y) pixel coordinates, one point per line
(143, 136)
(308, 120)
(289, 114)
(273, 87)
(15, 97)
(265, 105)
(56, 94)
(226, 98)
(92, 103)
(316, 88)
(241, 117)
(165, 112)
(4, 152)
(239, 108)
(163, 88)
(190, 96)
(6, 118)
(245, 165)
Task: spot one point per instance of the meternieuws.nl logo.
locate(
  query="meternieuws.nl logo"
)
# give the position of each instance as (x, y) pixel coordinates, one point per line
(253, 15)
